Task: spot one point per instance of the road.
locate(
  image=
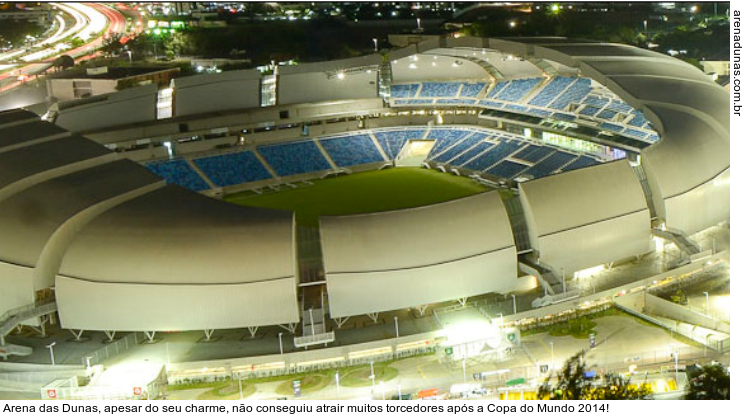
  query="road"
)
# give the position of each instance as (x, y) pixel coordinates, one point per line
(89, 19)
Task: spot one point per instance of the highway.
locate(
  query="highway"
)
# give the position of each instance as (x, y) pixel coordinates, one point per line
(89, 19)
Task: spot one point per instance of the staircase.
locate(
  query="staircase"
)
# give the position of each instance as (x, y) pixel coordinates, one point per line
(15, 317)
(547, 279)
(314, 330)
(682, 242)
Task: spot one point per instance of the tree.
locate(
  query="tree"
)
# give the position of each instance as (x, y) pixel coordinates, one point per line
(616, 387)
(574, 384)
(709, 382)
(572, 381)
(112, 45)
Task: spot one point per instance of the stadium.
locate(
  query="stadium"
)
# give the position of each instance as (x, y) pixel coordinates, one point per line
(447, 170)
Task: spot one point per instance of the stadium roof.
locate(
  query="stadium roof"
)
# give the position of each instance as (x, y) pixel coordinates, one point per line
(415, 237)
(400, 259)
(582, 197)
(177, 236)
(29, 218)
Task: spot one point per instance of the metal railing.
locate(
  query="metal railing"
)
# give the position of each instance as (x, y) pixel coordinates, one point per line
(112, 349)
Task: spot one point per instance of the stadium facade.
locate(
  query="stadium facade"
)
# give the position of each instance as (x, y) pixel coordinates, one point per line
(631, 142)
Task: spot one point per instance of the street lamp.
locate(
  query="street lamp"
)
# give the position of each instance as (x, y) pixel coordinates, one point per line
(397, 334)
(51, 351)
(375, 41)
(707, 299)
(563, 275)
(372, 376)
(281, 347)
(514, 303)
(645, 28)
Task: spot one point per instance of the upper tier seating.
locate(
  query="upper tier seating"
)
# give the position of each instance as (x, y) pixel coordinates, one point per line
(404, 90)
(517, 89)
(548, 93)
(560, 93)
(471, 89)
(448, 89)
(574, 94)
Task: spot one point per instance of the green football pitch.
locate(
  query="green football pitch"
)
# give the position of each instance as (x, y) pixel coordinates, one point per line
(371, 191)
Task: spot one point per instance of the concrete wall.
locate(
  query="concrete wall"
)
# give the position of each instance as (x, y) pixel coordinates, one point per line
(129, 106)
(17, 284)
(320, 87)
(217, 92)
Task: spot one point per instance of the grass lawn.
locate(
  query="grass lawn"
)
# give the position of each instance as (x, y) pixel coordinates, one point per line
(228, 391)
(359, 376)
(309, 384)
(371, 191)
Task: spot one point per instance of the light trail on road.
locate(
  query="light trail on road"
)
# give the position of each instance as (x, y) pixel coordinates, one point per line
(90, 18)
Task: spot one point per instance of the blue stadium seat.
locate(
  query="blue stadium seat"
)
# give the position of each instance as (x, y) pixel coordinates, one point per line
(580, 162)
(574, 94)
(393, 141)
(178, 172)
(611, 127)
(294, 158)
(606, 114)
(231, 169)
(548, 93)
(550, 164)
(471, 89)
(464, 145)
(444, 138)
(439, 89)
(351, 150)
(456, 101)
(403, 91)
(620, 107)
(496, 89)
(507, 169)
(596, 101)
(638, 120)
(589, 110)
(533, 153)
(517, 89)
(494, 155)
(635, 133)
(472, 152)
